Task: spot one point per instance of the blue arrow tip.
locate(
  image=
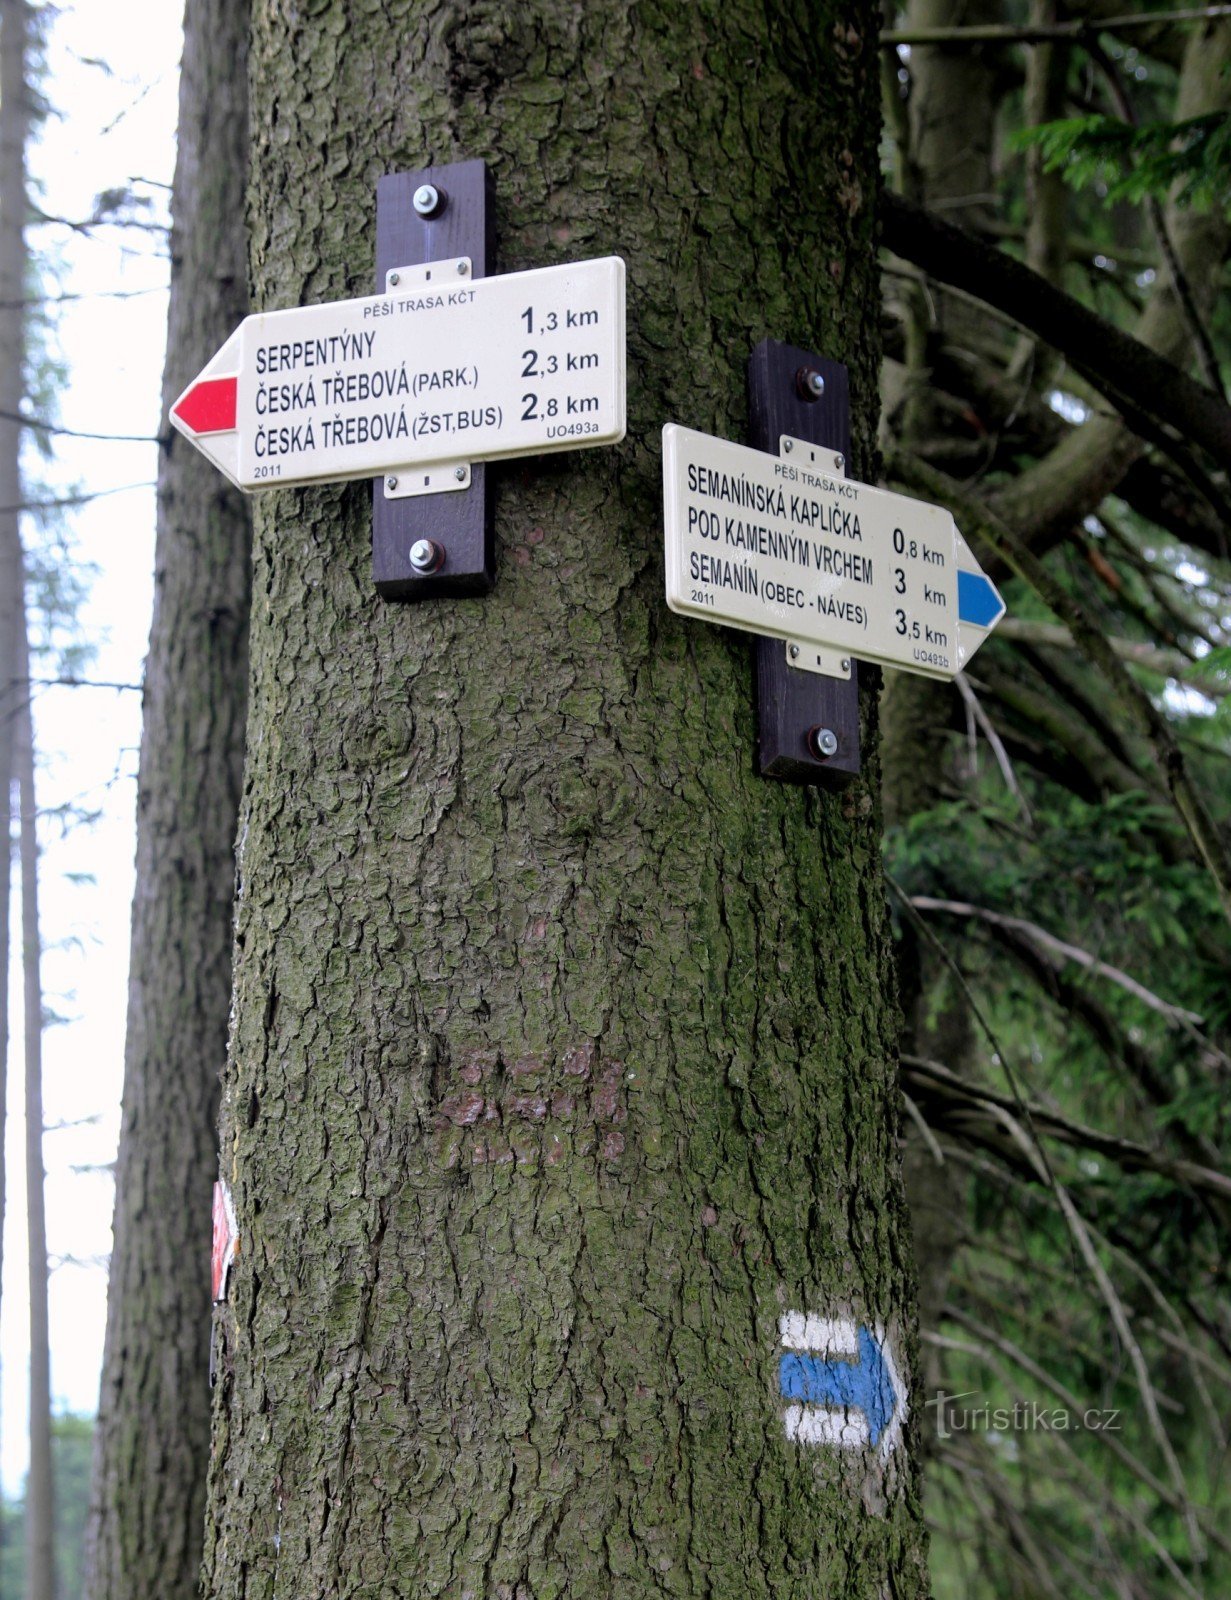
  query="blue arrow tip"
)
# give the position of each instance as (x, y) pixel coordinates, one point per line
(977, 600)
(865, 1384)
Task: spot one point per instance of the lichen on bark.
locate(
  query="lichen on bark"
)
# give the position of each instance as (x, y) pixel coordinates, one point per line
(562, 1060)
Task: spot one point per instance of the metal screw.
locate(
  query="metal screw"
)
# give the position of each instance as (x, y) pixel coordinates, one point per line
(427, 200)
(391, 483)
(793, 651)
(460, 474)
(839, 462)
(809, 384)
(395, 278)
(463, 267)
(787, 447)
(823, 743)
(846, 663)
(426, 555)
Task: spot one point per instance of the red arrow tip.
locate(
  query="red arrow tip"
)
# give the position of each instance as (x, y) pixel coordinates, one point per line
(209, 406)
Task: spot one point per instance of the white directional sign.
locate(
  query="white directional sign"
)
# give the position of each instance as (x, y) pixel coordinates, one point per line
(787, 546)
(439, 369)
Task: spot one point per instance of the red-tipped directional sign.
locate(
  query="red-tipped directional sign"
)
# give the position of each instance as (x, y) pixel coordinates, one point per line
(207, 407)
(438, 370)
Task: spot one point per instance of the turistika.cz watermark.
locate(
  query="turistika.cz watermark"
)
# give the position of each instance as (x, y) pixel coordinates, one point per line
(1023, 1416)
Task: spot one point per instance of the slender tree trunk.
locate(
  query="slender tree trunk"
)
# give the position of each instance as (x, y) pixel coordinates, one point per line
(950, 124)
(562, 1057)
(40, 1517)
(1046, 502)
(14, 122)
(951, 132)
(148, 1496)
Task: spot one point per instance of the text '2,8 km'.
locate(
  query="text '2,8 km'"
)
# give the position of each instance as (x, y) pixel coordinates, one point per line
(437, 369)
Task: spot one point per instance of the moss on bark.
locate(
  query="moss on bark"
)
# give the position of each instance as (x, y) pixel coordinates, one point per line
(563, 1050)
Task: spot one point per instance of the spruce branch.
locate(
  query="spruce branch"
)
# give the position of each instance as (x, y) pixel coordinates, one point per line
(1122, 368)
(978, 518)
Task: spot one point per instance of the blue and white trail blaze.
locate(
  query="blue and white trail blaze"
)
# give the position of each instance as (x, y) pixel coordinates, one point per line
(841, 1383)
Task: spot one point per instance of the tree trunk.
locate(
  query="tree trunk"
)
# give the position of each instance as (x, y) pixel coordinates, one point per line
(14, 124)
(562, 1062)
(40, 1516)
(951, 131)
(148, 1497)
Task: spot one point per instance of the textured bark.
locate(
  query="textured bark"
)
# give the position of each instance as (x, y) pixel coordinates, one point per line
(40, 1515)
(562, 1055)
(14, 125)
(148, 1496)
(950, 127)
(952, 137)
(1047, 194)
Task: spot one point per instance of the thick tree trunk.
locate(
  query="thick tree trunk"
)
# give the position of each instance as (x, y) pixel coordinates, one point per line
(562, 1056)
(152, 1447)
(40, 1515)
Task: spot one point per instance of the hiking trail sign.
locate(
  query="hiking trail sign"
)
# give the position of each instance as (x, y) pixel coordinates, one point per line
(788, 546)
(442, 369)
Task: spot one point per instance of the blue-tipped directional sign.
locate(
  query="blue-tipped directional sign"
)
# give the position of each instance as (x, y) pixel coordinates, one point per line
(977, 600)
(840, 1382)
(790, 547)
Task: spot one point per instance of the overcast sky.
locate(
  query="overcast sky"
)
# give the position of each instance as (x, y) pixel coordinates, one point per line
(113, 91)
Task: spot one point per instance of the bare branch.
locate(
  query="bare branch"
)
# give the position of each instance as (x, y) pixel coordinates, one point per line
(993, 738)
(75, 499)
(981, 521)
(935, 1082)
(1119, 366)
(1169, 663)
(1174, 1015)
(72, 433)
(1082, 30)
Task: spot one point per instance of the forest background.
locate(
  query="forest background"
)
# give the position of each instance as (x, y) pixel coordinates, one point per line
(1057, 821)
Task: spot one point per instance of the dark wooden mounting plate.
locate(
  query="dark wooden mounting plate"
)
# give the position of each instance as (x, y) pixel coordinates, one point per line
(791, 702)
(459, 522)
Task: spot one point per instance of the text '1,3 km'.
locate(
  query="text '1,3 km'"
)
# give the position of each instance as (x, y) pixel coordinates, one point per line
(438, 369)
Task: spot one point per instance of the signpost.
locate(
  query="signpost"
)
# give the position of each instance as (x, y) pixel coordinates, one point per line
(416, 383)
(789, 547)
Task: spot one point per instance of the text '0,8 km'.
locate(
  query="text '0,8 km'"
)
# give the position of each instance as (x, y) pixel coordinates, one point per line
(438, 369)
(788, 547)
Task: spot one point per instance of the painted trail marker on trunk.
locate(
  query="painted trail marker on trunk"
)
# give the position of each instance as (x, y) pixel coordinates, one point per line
(416, 383)
(841, 1383)
(789, 547)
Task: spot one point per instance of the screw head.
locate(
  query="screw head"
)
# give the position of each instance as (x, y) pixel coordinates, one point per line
(839, 462)
(426, 555)
(809, 384)
(460, 474)
(846, 663)
(823, 743)
(426, 200)
(463, 267)
(787, 446)
(793, 651)
(391, 483)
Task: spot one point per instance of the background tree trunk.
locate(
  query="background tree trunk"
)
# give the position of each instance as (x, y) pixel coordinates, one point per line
(153, 1430)
(950, 135)
(563, 1054)
(40, 1513)
(14, 125)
